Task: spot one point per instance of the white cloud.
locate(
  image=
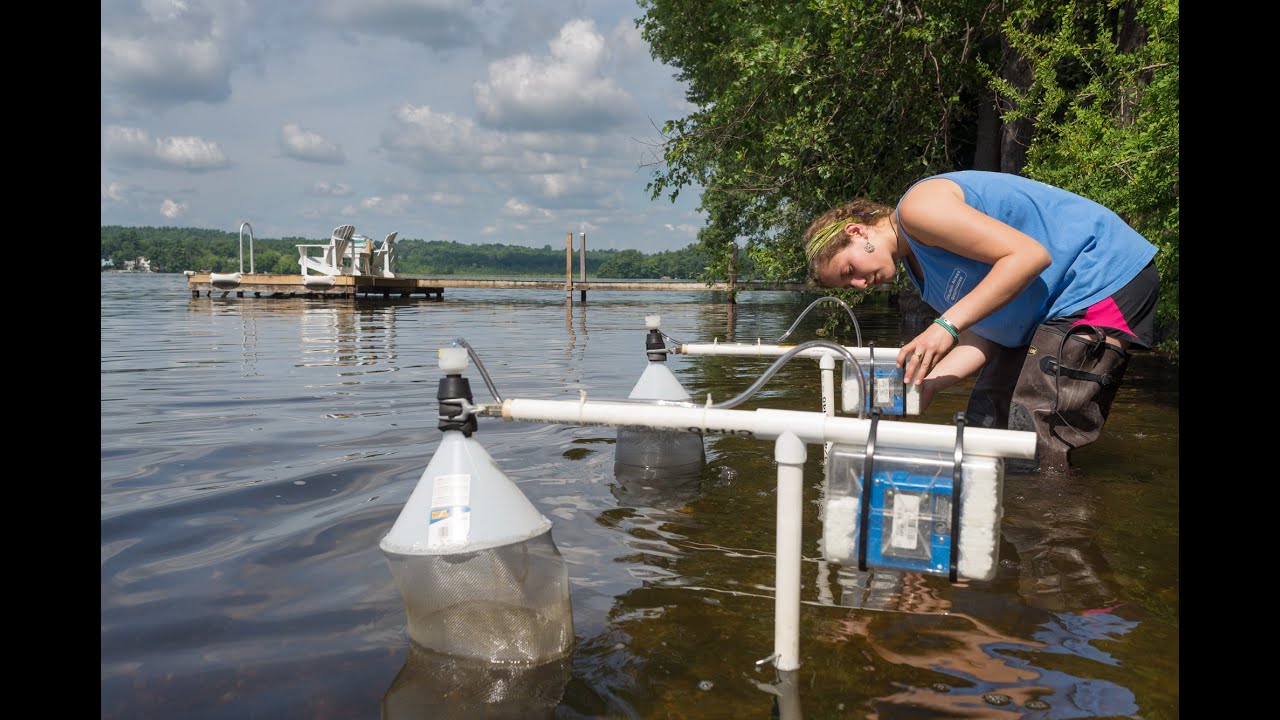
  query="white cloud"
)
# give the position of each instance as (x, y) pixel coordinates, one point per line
(323, 187)
(170, 52)
(626, 38)
(134, 147)
(114, 192)
(172, 209)
(565, 91)
(437, 141)
(520, 209)
(442, 198)
(392, 205)
(309, 146)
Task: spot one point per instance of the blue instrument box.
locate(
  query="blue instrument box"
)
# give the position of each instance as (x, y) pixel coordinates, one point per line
(910, 522)
(884, 383)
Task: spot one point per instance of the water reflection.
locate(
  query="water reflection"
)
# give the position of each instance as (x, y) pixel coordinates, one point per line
(1051, 524)
(433, 685)
(343, 336)
(785, 690)
(572, 363)
(975, 670)
(1068, 607)
(669, 488)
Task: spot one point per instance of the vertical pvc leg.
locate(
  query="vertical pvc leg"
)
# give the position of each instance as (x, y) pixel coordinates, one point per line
(790, 454)
(827, 367)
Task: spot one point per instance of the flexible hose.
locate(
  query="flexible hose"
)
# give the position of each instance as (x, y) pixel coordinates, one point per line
(786, 357)
(826, 298)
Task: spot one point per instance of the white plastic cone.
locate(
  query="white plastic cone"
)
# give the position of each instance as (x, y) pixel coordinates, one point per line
(463, 502)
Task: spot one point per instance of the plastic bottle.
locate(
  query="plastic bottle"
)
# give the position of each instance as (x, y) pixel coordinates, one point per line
(652, 453)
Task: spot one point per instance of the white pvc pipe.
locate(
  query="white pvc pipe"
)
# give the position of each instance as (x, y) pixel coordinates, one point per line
(790, 454)
(764, 424)
(827, 366)
(862, 354)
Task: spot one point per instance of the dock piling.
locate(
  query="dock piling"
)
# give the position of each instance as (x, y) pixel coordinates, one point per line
(568, 266)
(582, 264)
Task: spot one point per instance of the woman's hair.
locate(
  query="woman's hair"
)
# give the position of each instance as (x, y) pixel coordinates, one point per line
(825, 236)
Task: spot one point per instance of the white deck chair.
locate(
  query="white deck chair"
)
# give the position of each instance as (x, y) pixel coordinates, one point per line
(329, 262)
(384, 257)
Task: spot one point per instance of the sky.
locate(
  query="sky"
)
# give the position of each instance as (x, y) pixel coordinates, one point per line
(475, 121)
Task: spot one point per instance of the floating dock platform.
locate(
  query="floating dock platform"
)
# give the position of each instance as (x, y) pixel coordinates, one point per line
(312, 286)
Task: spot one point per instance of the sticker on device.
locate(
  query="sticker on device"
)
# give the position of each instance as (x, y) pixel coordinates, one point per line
(450, 519)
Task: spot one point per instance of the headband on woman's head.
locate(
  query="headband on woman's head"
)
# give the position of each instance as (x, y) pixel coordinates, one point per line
(822, 237)
(826, 234)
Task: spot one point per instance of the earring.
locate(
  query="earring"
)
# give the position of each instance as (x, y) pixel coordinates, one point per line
(869, 247)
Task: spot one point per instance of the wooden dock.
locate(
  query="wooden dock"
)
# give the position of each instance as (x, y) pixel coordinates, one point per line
(295, 285)
(352, 286)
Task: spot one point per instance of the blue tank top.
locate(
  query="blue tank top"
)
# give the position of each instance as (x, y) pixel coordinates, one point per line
(1093, 254)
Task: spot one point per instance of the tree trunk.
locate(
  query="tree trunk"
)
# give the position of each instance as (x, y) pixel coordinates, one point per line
(1015, 137)
(986, 152)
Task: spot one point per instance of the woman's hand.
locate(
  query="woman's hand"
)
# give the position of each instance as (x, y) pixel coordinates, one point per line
(924, 352)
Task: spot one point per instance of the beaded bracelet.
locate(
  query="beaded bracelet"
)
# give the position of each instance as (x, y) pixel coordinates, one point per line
(946, 325)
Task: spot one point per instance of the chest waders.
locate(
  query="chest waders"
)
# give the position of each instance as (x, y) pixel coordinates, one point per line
(1065, 382)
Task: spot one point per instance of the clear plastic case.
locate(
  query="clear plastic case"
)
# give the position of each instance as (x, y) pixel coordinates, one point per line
(884, 381)
(909, 519)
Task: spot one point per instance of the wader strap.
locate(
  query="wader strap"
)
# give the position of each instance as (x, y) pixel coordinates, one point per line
(1058, 371)
(1051, 366)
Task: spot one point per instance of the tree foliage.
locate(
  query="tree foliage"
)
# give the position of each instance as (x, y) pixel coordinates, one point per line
(802, 105)
(1105, 104)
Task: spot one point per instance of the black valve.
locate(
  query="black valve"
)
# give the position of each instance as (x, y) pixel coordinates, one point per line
(455, 387)
(653, 342)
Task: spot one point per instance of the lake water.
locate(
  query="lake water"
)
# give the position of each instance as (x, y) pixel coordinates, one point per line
(255, 451)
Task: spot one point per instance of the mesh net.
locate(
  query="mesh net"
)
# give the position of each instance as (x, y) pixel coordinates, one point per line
(435, 685)
(504, 604)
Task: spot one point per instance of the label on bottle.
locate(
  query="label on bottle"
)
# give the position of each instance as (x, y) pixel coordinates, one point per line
(450, 521)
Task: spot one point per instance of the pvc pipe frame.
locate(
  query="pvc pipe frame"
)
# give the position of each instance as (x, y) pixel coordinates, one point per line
(765, 424)
(790, 454)
(791, 430)
(862, 354)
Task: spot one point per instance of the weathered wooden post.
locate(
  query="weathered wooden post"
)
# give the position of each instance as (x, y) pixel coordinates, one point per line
(568, 266)
(582, 265)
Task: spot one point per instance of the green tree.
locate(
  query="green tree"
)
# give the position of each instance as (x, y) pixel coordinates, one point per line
(800, 106)
(626, 264)
(1104, 97)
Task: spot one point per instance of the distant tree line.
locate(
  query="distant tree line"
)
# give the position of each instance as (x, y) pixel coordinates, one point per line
(175, 249)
